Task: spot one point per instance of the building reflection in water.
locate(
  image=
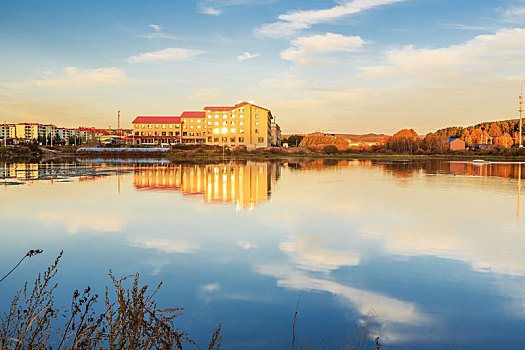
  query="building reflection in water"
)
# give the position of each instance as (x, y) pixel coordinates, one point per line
(20, 173)
(244, 184)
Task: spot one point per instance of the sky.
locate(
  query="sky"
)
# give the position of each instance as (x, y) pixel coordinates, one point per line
(349, 66)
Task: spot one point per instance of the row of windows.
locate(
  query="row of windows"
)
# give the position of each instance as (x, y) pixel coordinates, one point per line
(226, 123)
(226, 139)
(224, 116)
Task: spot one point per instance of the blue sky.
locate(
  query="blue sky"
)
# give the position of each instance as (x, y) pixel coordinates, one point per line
(348, 66)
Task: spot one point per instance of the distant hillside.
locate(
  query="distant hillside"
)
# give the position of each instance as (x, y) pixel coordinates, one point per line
(354, 137)
(366, 137)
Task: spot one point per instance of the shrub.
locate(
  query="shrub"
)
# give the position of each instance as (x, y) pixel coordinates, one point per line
(240, 149)
(330, 149)
(130, 319)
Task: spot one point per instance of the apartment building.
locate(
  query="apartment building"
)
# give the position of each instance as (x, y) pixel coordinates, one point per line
(276, 135)
(7, 131)
(242, 124)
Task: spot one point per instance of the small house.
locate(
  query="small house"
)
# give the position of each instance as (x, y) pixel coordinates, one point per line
(456, 144)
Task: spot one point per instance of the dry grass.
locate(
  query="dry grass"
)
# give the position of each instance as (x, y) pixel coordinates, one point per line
(131, 319)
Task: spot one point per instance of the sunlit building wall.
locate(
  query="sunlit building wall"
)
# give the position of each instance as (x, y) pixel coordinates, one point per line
(242, 124)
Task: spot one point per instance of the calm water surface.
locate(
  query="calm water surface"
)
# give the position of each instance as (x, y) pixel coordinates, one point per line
(434, 249)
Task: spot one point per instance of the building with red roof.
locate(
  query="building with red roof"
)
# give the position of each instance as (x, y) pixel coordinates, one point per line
(242, 124)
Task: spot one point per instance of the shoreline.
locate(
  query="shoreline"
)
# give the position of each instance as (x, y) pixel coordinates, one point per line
(24, 154)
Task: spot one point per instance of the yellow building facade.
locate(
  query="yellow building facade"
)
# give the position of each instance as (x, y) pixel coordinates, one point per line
(243, 124)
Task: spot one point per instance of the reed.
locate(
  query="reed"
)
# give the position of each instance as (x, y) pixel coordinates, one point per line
(130, 319)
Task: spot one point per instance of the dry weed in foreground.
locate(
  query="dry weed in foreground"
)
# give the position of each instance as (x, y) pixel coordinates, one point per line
(131, 319)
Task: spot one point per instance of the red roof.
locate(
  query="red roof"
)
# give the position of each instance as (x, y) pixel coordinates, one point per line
(156, 120)
(198, 114)
(218, 108)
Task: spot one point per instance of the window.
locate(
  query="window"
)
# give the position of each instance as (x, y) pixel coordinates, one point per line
(191, 126)
(156, 133)
(164, 126)
(184, 133)
(256, 131)
(256, 123)
(233, 122)
(224, 123)
(164, 133)
(209, 123)
(232, 131)
(198, 134)
(170, 133)
(216, 116)
(209, 116)
(261, 139)
(241, 131)
(233, 116)
(192, 133)
(209, 139)
(256, 116)
(142, 133)
(149, 126)
(241, 116)
(171, 126)
(241, 139)
(177, 133)
(216, 139)
(185, 127)
(136, 133)
(198, 120)
(232, 139)
(177, 126)
(216, 123)
(241, 123)
(224, 116)
(156, 126)
(198, 126)
(143, 126)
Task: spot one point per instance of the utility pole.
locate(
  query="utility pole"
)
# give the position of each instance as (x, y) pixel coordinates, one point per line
(118, 122)
(521, 118)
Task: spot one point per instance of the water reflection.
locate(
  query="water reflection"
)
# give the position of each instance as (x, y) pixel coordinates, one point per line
(244, 184)
(433, 247)
(20, 173)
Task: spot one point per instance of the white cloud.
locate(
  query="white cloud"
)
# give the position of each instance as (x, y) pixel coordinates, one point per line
(158, 33)
(246, 245)
(210, 11)
(294, 21)
(308, 255)
(165, 245)
(75, 221)
(247, 56)
(320, 44)
(206, 94)
(209, 288)
(75, 78)
(481, 57)
(394, 315)
(169, 54)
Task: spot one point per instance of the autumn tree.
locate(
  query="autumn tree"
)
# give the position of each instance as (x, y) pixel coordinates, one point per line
(403, 141)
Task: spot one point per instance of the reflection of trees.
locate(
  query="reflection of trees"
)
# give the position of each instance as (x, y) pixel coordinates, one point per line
(410, 168)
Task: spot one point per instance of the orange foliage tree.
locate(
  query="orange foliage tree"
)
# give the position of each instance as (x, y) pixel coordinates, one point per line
(403, 141)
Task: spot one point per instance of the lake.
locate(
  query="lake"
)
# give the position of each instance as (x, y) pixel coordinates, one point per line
(433, 251)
